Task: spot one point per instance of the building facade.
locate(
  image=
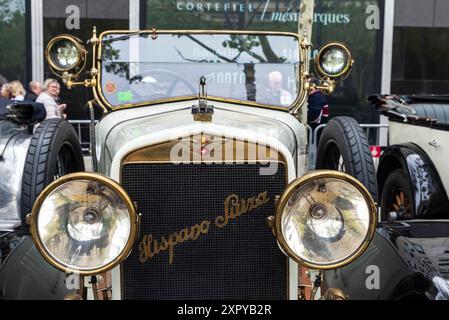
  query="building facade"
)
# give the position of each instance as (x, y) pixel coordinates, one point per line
(397, 44)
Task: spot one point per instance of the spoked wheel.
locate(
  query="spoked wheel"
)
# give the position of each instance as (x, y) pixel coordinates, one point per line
(396, 199)
(64, 161)
(341, 165)
(344, 147)
(334, 159)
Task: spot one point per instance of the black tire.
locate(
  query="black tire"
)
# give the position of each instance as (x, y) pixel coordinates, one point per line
(54, 151)
(344, 147)
(395, 183)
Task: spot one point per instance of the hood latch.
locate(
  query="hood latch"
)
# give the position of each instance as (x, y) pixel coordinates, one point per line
(202, 111)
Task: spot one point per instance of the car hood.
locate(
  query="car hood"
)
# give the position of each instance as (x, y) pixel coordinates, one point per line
(121, 129)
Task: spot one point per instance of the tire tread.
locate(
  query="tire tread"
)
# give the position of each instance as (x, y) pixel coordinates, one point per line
(361, 164)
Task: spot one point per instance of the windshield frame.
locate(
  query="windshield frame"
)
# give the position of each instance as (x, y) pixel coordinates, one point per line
(98, 91)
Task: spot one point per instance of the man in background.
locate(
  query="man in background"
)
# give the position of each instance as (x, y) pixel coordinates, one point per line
(280, 96)
(34, 90)
(317, 109)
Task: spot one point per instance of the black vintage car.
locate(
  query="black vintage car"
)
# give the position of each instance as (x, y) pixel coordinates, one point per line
(409, 255)
(42, 154)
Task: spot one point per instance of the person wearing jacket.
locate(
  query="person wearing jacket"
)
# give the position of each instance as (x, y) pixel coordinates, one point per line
(34, 90)
(49, 97)
(317, 110)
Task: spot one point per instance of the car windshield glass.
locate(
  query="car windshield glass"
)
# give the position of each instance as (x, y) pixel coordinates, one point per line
(139, 68)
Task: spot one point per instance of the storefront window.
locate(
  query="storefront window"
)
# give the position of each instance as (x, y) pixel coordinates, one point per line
(261, 15)
(12, 40)
(346, 21)
(334, 20)
(419, 60)
(77, 18)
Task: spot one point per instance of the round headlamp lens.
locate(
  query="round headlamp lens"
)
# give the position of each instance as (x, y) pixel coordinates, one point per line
(325, 221)
(64, 54)
(84, 225)
(334, 60)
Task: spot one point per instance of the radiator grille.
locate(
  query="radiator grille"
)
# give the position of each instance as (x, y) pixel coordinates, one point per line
(239, 261)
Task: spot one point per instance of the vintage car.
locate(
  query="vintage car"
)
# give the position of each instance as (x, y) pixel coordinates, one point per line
(409, 254)
(30, 160)
(200, 189)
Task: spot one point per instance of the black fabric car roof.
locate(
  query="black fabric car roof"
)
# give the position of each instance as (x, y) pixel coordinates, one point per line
(37, 115)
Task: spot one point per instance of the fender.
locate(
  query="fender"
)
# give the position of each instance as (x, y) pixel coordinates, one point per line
(14, 144)
(409, 259)
(429, 197)
(25, 275)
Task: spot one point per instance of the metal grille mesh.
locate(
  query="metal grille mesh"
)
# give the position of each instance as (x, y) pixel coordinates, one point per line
(240, 261)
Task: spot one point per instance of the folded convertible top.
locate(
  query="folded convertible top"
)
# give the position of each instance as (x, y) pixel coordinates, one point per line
(22, 112)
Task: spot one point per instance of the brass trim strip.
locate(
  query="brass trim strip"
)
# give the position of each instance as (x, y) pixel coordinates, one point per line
(161, 152)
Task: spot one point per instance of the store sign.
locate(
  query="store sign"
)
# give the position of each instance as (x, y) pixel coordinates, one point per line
(201, 6)
(271, 11)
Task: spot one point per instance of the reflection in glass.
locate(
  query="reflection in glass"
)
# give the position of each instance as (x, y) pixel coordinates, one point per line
(84, 224)
(264, 15)
(13, 39)
(258, 68)
(64, 54)
(333, 61)
(325, 221)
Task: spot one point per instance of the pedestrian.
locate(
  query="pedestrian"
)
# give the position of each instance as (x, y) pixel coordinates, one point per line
(34, 90)
(49, 97)
(318, 108)
(6, 91)
(17, 90)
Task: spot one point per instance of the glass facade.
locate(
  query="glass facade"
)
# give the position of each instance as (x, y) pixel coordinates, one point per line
(340, 20)
(419, 56)
(334, 20)
(260, 15)
(77, 18)
(346, 21)
(13, 57)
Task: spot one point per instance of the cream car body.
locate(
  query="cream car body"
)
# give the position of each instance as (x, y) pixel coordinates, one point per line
(124, 131)
(246, 168)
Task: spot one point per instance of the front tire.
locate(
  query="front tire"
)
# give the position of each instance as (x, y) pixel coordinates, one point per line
(344, 147)
(54, 151)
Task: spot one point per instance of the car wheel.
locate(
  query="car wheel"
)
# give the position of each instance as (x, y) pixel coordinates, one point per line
(54, 151)
(344, 147)
(396, 199)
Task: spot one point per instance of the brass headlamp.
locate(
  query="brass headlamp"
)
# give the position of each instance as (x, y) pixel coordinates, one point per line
(325, 219)
(84, 223)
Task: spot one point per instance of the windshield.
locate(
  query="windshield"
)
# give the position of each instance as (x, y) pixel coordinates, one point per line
(138, 68)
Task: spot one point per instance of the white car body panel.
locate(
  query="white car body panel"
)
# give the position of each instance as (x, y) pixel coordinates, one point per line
(127, 130)
(121, 127)
(433, 141)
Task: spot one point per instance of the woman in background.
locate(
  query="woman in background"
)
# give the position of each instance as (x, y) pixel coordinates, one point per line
(49, 97)
(6, 91)
(17, 90)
